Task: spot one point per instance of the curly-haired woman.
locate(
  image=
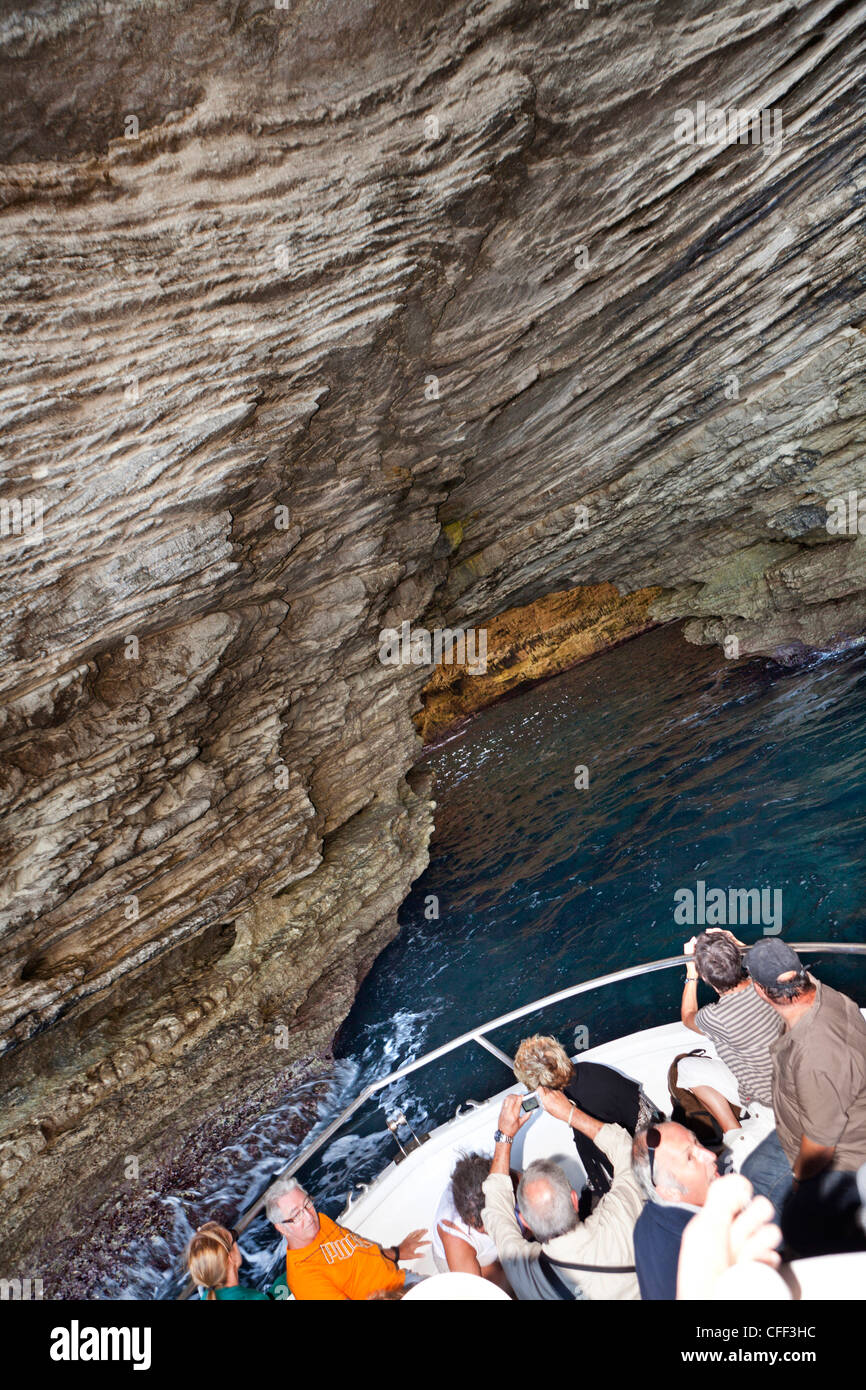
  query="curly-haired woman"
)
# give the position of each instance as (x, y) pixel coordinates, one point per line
(600, 1091)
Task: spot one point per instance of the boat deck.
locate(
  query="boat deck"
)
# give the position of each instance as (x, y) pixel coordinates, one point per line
(405, 1196)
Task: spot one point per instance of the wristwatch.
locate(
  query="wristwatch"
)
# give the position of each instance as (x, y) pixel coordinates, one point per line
(500, 1138)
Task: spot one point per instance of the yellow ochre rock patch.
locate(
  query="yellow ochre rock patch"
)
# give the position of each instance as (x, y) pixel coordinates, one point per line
(525, 644)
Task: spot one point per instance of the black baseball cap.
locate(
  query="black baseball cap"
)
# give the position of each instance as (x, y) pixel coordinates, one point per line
(769, 959)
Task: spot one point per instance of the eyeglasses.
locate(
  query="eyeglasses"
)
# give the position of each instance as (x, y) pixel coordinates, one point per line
(653, 1139)
(308, 1206)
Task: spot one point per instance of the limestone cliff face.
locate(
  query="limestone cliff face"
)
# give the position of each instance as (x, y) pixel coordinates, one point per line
(325, 317)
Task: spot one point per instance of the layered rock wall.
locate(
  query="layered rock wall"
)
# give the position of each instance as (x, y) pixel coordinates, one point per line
(327, 317)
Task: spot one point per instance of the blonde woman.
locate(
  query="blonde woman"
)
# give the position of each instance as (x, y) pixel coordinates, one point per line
(599, 1091)
(213, 1258)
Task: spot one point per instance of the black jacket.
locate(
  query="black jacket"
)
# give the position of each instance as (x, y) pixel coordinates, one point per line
(608, 1097)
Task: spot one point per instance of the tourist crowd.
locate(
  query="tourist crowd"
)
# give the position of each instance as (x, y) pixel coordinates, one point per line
(656, 1217)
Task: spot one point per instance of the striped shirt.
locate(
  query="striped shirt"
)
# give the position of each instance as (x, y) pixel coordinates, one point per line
(742, 1028)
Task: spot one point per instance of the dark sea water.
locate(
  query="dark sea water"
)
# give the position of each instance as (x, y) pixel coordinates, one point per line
(744, 775)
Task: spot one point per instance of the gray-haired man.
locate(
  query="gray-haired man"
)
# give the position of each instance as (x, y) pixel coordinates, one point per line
(325, 1261)
(676, 1172)
(602, 1244)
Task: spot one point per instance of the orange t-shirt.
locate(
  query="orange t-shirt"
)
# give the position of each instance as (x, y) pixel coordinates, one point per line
(340, 1265)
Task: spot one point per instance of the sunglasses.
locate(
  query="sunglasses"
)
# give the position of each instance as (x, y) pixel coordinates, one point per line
(653, 1139)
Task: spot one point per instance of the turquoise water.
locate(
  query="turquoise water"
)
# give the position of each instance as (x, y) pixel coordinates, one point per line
(744, 776)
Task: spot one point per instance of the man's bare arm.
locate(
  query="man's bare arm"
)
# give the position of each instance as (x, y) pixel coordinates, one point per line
(511, 1119)
(501, 1159)
(500, 1221)
(689, 1001)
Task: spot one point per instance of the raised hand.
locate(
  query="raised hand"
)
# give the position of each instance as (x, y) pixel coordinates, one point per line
(730, 935)
(511, 1117)
(555, 1102)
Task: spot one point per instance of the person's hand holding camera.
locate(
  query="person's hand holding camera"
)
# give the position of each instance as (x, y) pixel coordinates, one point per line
(511, 1118)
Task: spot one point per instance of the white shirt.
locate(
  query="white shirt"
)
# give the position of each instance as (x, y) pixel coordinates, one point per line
(480, 1241)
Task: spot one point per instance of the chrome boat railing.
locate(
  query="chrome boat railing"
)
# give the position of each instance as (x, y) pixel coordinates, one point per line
(478, 1035)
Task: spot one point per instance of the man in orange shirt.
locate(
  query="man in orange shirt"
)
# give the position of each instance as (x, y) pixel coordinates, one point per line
(327, 1261)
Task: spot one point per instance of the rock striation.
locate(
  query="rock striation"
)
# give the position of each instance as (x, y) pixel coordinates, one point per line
(321, 318)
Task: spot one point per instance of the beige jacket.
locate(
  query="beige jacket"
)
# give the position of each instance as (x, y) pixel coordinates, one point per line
(605, 1238)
